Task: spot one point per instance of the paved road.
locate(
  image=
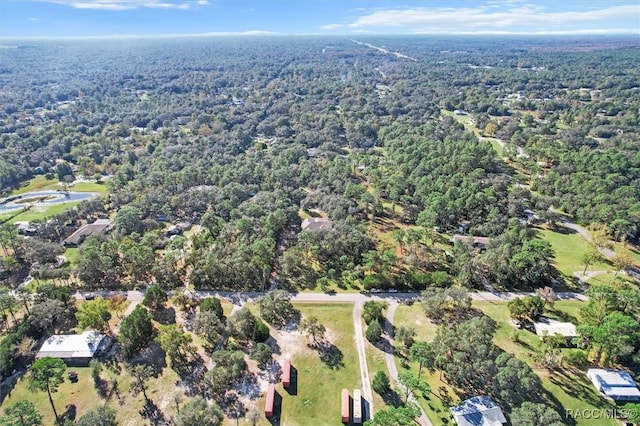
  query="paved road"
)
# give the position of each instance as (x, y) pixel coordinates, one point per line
(362, 357)
(389, 359)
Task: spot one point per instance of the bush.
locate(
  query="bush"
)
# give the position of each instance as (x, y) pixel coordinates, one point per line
(261, 333)
(374, 332)
(374, 281)
(576, 358)
(381, 383)
(212, 304)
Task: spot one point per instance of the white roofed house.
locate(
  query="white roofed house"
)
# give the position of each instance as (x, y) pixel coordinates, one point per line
(617, 385)
(75, 349)
(549, 327)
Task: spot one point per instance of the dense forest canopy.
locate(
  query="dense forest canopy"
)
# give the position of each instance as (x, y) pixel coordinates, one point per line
(240, 134)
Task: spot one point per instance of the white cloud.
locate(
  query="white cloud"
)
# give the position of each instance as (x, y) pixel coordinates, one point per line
(331, 27)
(129, 4)
(497, 16)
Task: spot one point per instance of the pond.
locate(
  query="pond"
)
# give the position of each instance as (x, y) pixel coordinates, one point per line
(42, 198)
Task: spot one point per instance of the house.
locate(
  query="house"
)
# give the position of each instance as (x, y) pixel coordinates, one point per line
(24, 228)
(463, 226)
(617, 385)
(75, 349)
(99, 227)
(478, 411)
(460, 112)
(476, 242)
(549, 327)
(316, 223)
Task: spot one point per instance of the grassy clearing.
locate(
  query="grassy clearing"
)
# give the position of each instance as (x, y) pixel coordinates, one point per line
(568, 388)
(38, 183)
(569, 249)
(375, 362)
(317, 400)
(83, 395)
(611, 278)
(100, 188)
(413, 316)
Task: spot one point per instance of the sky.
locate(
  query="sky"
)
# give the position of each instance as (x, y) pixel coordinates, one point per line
(119, 18)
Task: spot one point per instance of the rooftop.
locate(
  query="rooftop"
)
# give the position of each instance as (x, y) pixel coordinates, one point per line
(82, 345)
(615, 384)
(100, 226)
(478, 411)
(473, 240)
(549, 327)
(316, 223)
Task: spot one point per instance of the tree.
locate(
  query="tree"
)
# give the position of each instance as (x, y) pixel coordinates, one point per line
(373, 332)
(590, 257)
(47, 315)
(622, 260)
(46, 375)
(197, 412)
(548, 295)
(446, 304)
(405, 335)
(312, 327)
(381, 383)
(276, 308)
(373, 311)
(140, 375)
(208, 326)
(535, 414)
(617, 335)
(423, 354)
(242, 324)
(136, 331)
(412, 383)
(155, 298)
(214, 305)
(100, 416)
(261, 353)
(21, 413)
(395, 416)
(94, 314)
(528, 308)
(175, 342)
(128, 220)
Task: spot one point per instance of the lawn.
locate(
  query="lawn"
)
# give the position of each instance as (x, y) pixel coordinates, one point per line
(569, 248)
(413, 316)
(568, 388)
(83, 395)
(38, 183)
(610, 278)
(316, 399)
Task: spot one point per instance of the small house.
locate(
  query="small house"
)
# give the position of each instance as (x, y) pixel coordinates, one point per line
(478, 411)
(617, 385)
(549, 327)
(476, 242)
(75, 349)
(316, 223)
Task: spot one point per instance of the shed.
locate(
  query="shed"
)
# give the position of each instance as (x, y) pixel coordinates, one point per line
(269, 403)
(345, 412)
(617, 385)
(357, 407)
(286, 372)
(476, 242)
(478, 411)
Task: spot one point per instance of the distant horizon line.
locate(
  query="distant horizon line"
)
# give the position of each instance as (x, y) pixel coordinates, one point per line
(259, 33)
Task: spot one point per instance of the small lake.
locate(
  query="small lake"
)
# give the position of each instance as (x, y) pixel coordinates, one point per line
(42, 198)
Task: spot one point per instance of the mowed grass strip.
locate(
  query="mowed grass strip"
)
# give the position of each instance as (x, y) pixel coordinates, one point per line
(319, 386)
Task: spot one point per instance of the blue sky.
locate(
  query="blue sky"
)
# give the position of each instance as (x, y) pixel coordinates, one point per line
(80, 18)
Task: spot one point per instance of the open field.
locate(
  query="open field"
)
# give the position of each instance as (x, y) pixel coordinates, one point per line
(569, 248)
(316, 395)
(38, 213)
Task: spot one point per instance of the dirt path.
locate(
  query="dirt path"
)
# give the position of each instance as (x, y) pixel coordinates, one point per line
(364, 369)
(390, 360)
